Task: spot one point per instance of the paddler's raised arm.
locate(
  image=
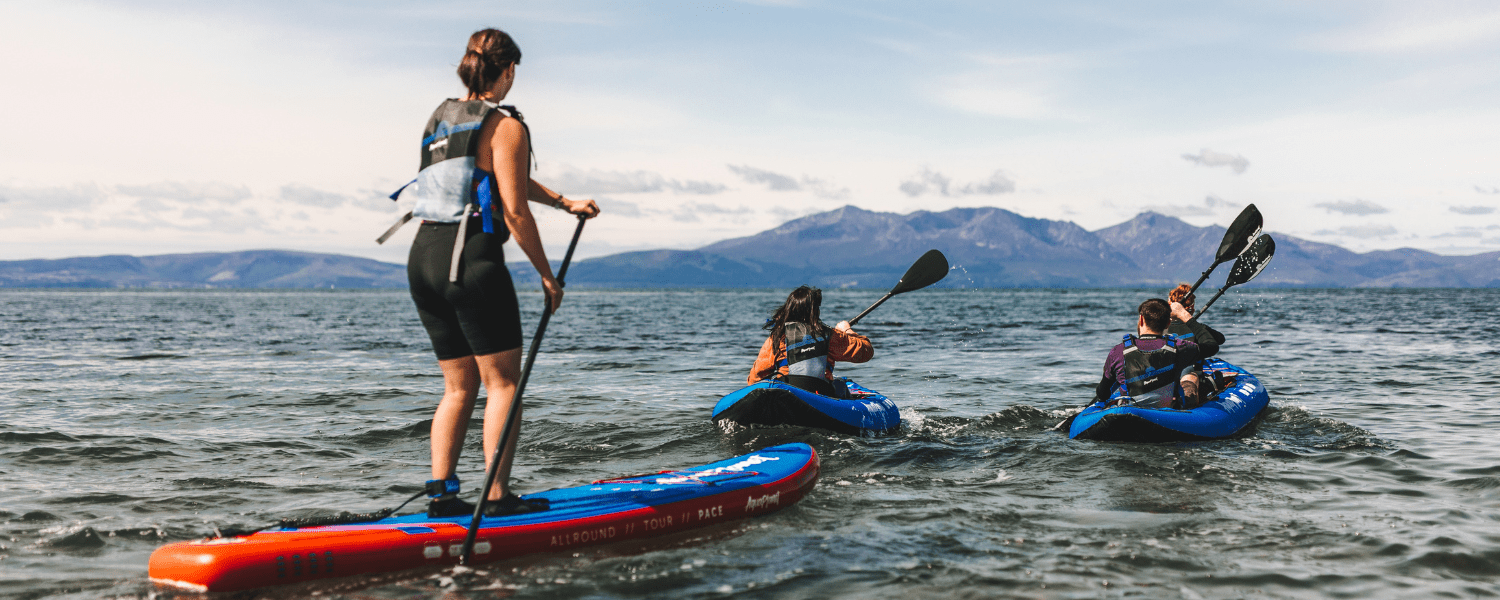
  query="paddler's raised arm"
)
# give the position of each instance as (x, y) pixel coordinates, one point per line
(848, 346)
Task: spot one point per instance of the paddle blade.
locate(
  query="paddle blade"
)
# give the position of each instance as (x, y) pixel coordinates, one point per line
(1237, 238)
(1253, 261)
(929, 269)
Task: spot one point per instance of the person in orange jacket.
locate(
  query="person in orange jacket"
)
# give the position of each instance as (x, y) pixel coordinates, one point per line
(801, 350)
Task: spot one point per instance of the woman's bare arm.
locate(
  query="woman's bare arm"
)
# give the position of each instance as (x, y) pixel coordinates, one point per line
(509, 157)
(541, 194)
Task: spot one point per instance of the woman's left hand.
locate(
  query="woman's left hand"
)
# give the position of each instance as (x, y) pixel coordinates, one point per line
(588, 208)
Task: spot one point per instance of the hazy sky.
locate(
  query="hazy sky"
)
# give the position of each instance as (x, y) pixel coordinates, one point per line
(152, 127)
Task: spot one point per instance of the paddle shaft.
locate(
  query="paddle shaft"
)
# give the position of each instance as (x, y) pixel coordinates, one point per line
(1211, 301)
(1204, 276)
(493, 472)
(882, 300)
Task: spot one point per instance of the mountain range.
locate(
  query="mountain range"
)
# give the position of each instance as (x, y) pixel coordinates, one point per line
(993, 247)
(846, 247)
(248, 269)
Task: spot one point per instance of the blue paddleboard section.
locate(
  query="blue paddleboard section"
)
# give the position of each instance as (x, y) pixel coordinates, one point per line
(754, 470)
(1227, 414)
(775, 403)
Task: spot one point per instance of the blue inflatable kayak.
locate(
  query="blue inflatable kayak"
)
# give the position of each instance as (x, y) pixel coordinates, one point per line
(605, 511)
(776, 403)
(1227, 414)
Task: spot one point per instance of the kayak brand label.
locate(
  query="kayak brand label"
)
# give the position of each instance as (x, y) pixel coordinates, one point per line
(583, 537)
(763, 501)
(749, 461)
(711, 512)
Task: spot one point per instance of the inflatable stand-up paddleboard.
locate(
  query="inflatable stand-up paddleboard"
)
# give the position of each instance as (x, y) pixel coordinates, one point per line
(776, 403)
(1227, 414)
(606, 511)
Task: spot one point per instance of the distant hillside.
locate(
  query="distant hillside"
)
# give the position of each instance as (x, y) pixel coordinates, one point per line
(251, 269)
(992, 247)
(846, 247)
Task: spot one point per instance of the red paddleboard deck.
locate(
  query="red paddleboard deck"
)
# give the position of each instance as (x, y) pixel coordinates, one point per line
(612, 510)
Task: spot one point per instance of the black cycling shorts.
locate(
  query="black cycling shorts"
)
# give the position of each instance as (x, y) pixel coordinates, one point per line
(479, 314)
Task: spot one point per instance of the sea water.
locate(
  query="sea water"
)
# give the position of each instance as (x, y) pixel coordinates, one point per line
(129, 419)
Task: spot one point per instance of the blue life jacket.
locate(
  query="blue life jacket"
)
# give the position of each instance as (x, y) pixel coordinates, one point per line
(806, 352)
(445, 190)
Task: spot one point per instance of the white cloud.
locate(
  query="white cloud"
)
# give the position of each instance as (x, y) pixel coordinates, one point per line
(1417, 27)
(302, 194)
(1209, 158)
(1462, 232)
(1210, 206)
(1489, 190)
(929, 180)
(1472, 210)
(180, 191)
(1353, 207)
(785, 183)
(77, 196)
(994, 100)
(1360, 231)
(593, 181)
(621, 208)
(776, 181)
(1022, 87)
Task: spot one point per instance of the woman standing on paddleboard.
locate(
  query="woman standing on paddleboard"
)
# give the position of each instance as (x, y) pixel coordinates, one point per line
(476, 160)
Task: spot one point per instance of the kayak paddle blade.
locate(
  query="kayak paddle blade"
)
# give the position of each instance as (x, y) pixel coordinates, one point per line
(1253, 261)
(931, 268)
(1240, 233)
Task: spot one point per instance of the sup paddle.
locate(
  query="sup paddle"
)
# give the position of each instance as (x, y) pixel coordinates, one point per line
(1236, 240)
(1246, 267)
(515, 402)
(931, 268)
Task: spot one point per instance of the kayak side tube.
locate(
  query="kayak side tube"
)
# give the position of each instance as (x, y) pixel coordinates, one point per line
(776, 403)
(1231, 412)
(605, 512)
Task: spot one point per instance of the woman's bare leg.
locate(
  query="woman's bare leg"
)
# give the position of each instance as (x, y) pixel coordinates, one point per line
(500, 372)
(451, 421)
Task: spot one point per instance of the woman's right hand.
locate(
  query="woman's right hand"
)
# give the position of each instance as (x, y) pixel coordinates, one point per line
(554, 292)
(1180, 312)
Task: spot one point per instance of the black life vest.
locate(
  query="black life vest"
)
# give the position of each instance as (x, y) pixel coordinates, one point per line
(1151, 375)
(1181, 331)
(806, 352)
(445, 190)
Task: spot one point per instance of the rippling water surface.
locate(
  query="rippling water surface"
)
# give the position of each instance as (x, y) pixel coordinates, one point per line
(130, 419)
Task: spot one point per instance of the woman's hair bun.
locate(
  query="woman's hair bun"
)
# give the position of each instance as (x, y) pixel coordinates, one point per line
(490, 52)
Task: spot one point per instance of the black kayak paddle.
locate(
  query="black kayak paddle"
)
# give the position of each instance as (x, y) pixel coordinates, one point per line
(931, 268)
(1236, 240)
(492, 473)
(1246, 267)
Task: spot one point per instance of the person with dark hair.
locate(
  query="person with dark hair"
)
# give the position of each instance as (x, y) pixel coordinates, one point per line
(801, 350)
(1146, 366)
(476, 161)
(1208, 340)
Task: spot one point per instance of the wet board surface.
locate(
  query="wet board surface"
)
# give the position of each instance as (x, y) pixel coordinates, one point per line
(605, 511)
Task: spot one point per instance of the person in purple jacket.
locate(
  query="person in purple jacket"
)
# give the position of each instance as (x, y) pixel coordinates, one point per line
(1146, 366)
